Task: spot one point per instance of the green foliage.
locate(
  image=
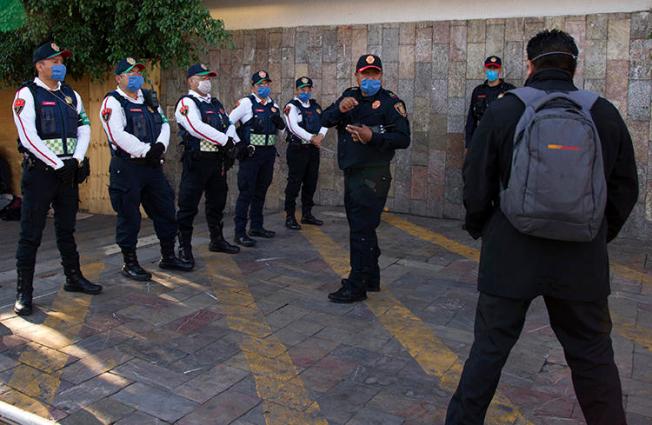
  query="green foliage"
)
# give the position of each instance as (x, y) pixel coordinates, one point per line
(99, 32)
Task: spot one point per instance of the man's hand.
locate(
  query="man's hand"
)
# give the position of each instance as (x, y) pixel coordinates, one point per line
(317, 139)
(360, 133)
(155, 153)
(278, 122)
(66, 174)
(347, 104)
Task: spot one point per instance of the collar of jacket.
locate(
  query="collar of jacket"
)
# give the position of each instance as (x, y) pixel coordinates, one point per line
(549, 74)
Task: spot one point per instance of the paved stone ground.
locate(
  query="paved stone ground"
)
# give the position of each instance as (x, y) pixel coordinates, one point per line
(251, 339)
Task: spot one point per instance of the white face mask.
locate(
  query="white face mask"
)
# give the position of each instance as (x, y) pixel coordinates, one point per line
(204, 86)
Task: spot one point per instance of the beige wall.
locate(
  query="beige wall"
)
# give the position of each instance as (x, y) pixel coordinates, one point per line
(252, 14)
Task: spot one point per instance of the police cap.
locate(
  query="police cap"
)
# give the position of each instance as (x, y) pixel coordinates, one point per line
(127, 65)
(49, 50)
(369, 61)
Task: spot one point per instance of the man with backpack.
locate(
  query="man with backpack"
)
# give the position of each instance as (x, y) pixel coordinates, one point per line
(547, 186)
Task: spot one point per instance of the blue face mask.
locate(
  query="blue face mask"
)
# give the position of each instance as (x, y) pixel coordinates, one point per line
(58, 72)
(370, 87)
(263, 92)
(135, 83)
(492, 74)
(304, 97)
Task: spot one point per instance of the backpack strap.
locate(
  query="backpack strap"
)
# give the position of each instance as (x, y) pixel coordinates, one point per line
(528, 95)
(586, 99)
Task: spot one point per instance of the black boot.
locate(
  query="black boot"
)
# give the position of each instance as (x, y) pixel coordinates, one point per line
(185, 248)
(76, 282)
(218, 243)
(291, 222)
(131, 268)
(262, 233)
(244, 240)
(170, 261)
(350, 292)
(23, 306)
(308, 218)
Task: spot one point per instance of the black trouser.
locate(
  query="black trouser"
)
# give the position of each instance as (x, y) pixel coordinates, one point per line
(131, 184)
(254, 177)
(303, 172)
(202, 173)
(41, 188)
(583, 330)
(365, 193)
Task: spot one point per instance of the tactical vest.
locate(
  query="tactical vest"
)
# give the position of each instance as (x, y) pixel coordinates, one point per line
(483, 100)
(310, 119)
(143, 122)
(260, 130)
(212, 114)
(57, 118)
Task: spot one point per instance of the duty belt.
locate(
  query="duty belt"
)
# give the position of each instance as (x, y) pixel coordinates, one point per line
(61, 146)
(206, 146)
(262, 139)
(298, 140)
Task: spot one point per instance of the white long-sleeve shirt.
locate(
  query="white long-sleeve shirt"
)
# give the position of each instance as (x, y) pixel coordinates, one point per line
(243, 112)
(25, 120)
(293, 117)
(188, 116)
(114, 127)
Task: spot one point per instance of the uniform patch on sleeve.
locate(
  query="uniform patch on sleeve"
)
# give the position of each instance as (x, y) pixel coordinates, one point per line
(19, 104)
(286, 111)
(106, 114)
(400, 108)
(183, 110)
(164, 118)
(83, 118)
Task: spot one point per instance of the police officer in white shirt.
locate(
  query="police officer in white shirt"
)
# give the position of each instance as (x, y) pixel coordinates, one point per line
(138, 134)
(54, 133)
(260, 120)
(304, 137)
(209, 150)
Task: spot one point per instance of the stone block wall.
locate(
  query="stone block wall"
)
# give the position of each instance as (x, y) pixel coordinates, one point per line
(433, 66)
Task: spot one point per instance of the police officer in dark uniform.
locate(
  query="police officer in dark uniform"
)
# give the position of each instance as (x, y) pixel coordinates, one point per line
(53, 135)
(260, 120)
(304, 137)
(139, 134)
(371, 123)
(493, 88)
(207, 137)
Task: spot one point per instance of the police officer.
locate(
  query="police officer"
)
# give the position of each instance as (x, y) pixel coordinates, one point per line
(54, 133)
(260, 120)
(139, 134)
(303, 116)
(207, 137)
(371, 123)
(493, 88)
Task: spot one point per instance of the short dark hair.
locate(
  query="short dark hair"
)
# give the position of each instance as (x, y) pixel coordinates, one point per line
(553, 41)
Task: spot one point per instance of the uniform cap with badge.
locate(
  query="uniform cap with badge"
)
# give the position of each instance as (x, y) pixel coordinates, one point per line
(493, 62)
(127, 65)
(260, 77)
(369, 61)
(303, 82)
(200, 69)
(49, 50)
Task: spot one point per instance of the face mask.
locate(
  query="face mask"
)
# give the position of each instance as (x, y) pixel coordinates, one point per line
(58, 72)
(304, 97)
(263, 92)
(135, 82)
(492, 74)
(204, 86)
(370, 87)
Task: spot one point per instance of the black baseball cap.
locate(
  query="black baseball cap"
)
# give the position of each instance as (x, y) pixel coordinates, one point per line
(303, 82)
(127, 65)
(49, 50)
(200, 69)
(369, 61)
(260, 77)
(493, 62)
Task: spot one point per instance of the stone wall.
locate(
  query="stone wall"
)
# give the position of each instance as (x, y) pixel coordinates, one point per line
(433, 67)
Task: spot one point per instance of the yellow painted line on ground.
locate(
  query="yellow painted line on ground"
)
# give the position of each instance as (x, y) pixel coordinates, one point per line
(38, 375)
(630, 331)
(434, 357)
(286, 401)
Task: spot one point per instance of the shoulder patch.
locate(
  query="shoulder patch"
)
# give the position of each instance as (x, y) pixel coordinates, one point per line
(19, 104)
(286, 110)
(183, 110)
(83, 118)
(400, 108)
(106, 114)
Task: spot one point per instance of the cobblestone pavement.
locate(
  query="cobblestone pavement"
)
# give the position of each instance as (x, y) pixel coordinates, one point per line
(251, 339)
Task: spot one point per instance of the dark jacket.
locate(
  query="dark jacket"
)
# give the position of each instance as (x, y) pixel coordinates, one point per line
(482, 96)
(513, 264)
(385, 113)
